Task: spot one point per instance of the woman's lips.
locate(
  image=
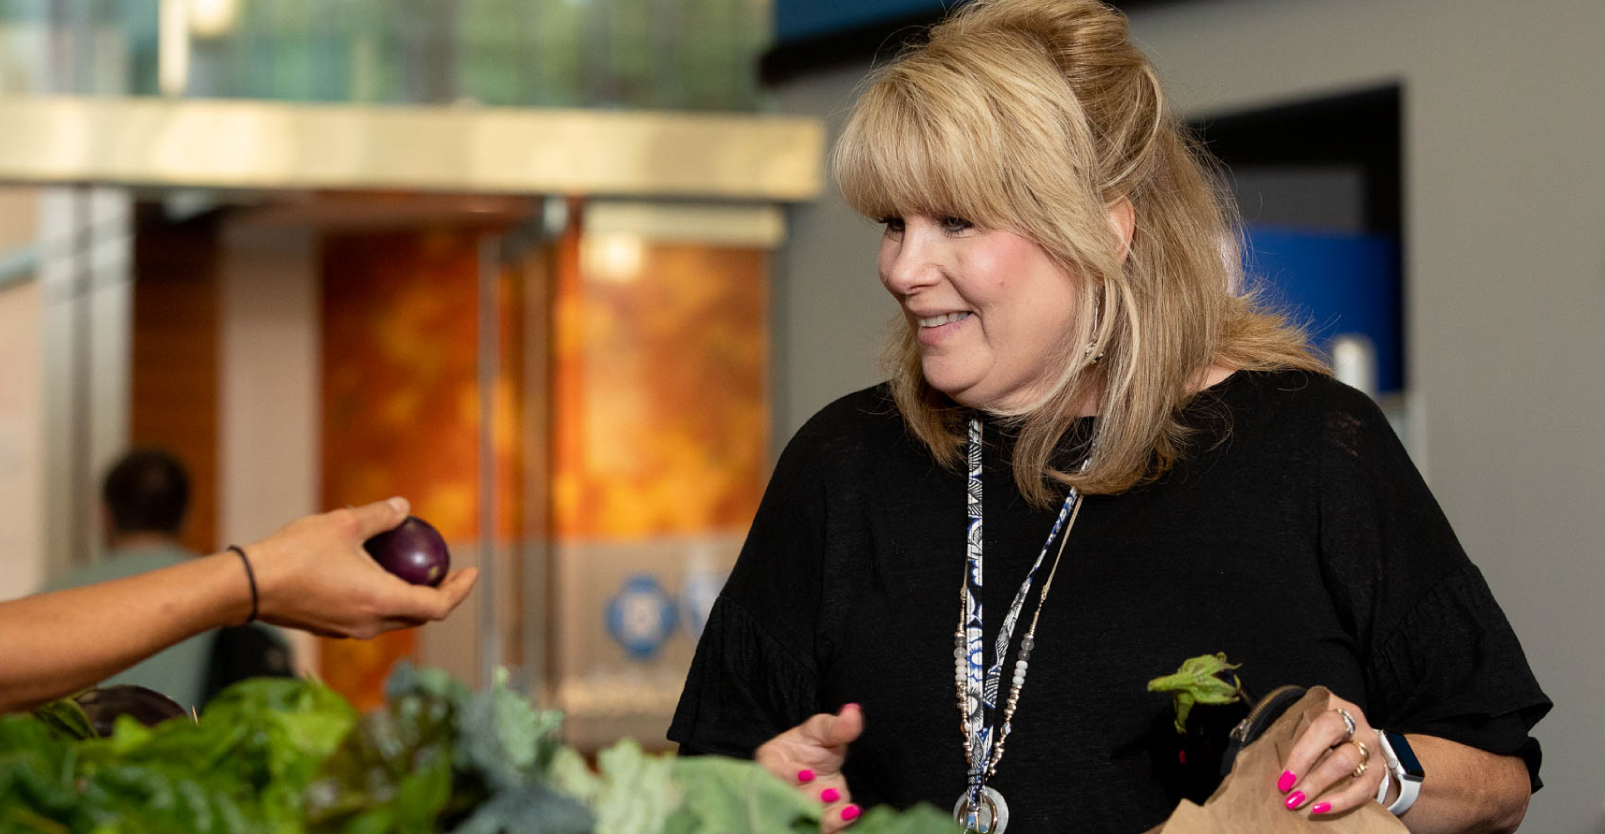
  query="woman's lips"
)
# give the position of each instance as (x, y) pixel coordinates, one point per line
(933, 330)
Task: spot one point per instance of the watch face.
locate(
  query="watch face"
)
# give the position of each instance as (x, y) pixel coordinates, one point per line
(1407, 757)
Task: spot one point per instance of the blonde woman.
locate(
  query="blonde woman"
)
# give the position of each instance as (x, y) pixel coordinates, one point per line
(1095, 458)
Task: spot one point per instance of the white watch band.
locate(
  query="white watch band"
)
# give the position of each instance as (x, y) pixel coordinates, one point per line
(1408, 789)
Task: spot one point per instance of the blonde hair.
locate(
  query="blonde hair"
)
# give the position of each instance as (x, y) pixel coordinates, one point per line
(1038, 116)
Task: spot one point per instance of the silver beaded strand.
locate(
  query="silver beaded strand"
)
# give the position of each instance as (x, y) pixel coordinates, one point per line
(976, 736)
(1023, 662)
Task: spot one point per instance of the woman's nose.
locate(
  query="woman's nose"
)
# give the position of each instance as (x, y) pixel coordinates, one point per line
(908, 263)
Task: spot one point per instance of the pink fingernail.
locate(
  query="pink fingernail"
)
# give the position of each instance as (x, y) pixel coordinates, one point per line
(1321, 808)
(846, 707)
(1295, 800)
(1289, 778)
(829, 795)
(805, 775)
(851, 812)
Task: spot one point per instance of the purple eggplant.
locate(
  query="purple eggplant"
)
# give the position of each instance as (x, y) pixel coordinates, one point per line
(413, 551)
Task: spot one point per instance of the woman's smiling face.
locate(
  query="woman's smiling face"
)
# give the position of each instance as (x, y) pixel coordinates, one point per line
(991, 309)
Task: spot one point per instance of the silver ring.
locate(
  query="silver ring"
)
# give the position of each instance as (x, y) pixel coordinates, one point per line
(1348, 723)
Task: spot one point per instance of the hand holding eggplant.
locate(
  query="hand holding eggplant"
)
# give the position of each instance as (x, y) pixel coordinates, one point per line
(315, 575)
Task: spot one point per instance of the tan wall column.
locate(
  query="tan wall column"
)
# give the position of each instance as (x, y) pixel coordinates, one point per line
(267, 387)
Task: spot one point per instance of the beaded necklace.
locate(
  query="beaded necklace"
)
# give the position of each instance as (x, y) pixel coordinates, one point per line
(982, 808)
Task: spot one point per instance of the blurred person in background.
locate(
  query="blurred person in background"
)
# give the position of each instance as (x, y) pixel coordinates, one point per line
(313, 575)
(145, 500)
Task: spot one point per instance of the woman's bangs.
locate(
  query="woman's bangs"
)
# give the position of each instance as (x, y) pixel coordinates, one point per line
(898, 158)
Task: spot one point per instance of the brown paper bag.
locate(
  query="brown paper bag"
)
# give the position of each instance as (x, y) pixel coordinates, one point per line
(1247, 800)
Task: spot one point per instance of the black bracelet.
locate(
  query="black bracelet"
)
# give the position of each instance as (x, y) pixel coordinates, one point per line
(250, 575)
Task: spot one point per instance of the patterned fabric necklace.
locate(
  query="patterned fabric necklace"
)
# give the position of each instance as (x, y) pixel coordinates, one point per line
(981, 808)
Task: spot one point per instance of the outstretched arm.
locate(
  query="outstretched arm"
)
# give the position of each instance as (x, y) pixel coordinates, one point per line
(312, 575)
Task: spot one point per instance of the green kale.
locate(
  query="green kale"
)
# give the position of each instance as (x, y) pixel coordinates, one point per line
(504, 738)
(289, 757)
(729, 796)
(921, 819)
(532, 809)
(439, 756)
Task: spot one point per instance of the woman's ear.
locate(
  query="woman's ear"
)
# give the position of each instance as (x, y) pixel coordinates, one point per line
(1123, 221)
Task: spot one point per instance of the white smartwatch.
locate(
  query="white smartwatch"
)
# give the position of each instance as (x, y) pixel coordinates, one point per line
(1403, 768)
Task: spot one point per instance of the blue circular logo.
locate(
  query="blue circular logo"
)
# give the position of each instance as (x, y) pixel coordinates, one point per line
(641, 616)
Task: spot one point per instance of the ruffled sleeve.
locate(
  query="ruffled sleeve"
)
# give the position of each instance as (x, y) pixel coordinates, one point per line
(745, 687)
(754, 675)
(1452, 668)
(1440, 656)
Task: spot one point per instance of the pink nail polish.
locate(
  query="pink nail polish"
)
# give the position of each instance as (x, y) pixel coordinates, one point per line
(1287, 781)
(829, 795)
(851, 812)
(1295, 799)
(805, 775)
(1321, 808)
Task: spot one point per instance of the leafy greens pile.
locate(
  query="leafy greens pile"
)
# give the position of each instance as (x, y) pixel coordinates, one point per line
(280, 756)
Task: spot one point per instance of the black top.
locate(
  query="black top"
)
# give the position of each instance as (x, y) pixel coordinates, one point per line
(1297, 537)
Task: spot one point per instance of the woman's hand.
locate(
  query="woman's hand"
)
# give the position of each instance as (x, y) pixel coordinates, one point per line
(1319, 772)
(314, 575)
(810, 756)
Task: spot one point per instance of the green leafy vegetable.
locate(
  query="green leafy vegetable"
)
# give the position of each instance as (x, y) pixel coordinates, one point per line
(636, 792)
(241, 770)
(439, 756)
(291, 757)
(1200, 680)
(36, 764)
(67, 718)
(534, 809)
(393, 771)
(727, 796)
(921, 819)
(504, 738)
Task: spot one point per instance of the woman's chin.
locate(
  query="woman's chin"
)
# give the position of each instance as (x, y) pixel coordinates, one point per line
(962, 391)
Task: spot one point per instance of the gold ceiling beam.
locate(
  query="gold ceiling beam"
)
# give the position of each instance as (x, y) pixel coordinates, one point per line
(214, 143)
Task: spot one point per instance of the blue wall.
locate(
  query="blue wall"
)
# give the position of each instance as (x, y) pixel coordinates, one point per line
(800, 19)
(1336, 284)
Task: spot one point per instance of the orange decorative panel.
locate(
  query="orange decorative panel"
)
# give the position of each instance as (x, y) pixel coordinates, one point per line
(659, 456)
(400, 401)
(661, 410)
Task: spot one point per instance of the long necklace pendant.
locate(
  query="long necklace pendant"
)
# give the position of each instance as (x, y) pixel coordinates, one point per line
(990, 815)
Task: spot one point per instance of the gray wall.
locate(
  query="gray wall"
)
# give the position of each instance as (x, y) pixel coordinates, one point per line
(1505, 281)
(830, 312)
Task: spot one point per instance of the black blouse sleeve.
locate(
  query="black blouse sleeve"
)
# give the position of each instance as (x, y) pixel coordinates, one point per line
(1440, 657)
(754, 673)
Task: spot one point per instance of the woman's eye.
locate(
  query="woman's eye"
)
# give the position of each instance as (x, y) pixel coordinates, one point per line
(894, 225)
(954, 225)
